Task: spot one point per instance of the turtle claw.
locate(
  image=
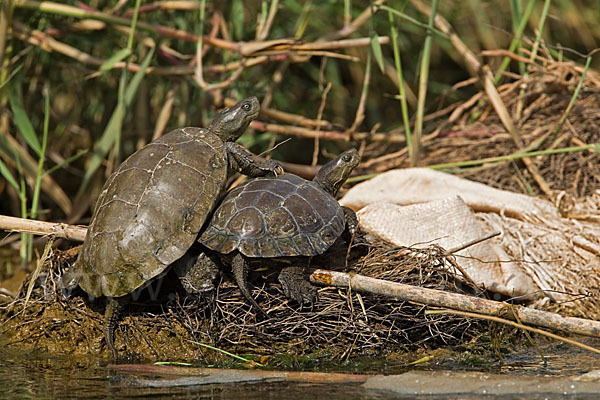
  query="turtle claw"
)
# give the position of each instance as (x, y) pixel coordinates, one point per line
(273, 167)
(296, 287)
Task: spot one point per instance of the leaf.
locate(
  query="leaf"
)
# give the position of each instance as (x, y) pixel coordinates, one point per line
(118, 56)
(134, 83)
(376, 47)
(22, 121)
(8, 176)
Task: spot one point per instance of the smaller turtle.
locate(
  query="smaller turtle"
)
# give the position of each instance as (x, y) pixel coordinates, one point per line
(282, 217)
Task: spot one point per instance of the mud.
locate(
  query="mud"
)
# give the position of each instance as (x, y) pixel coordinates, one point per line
(168, 324)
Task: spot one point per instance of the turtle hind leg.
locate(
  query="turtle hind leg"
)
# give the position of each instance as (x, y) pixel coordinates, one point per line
(239, 266)
(112, 315)
(296, 286)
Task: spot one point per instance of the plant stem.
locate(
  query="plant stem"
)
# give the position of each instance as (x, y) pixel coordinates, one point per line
(40, 170)
(401, 91)
(423, 78)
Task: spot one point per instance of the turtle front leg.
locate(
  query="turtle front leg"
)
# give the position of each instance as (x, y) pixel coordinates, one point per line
(112, 314)
(296, 286)
(243, 161)
(239, 266)
(351, 220)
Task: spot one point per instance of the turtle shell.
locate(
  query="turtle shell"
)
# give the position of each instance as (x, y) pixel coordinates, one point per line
(151, 209)
(275, 217)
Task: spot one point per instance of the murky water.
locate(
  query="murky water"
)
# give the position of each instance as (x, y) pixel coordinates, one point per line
(43, 376)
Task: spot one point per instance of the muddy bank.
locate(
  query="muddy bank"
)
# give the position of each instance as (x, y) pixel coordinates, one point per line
(342, 325)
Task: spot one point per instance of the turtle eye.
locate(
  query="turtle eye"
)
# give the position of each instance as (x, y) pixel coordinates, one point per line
(246, 107)
(346, 158)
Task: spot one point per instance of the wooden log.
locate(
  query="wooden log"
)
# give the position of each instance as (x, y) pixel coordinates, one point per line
(456, 301)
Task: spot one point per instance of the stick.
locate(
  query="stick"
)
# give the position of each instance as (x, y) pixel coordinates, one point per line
(517, 325)
(71, 232)
(199, 376)
(456, 301)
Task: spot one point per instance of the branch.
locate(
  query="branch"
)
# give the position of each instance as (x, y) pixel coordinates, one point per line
(71, 232)
(456, 301)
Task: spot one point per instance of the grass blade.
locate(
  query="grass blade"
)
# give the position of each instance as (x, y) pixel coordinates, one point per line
(66, 162)
(572, 100)
(134, 83)
(413, 21)
(40, 170)
(401, 91)
(14, 72)
(237, 19)
(22, 121)
(423, 79)
(10, 149)
(115, 58)
(377, 53)
(228, 353)
(516, 40)
(5, 172)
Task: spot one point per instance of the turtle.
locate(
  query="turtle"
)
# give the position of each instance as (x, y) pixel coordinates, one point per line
(287, 216)
(151, 209)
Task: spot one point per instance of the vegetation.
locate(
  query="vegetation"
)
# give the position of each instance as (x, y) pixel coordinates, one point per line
(82, 86)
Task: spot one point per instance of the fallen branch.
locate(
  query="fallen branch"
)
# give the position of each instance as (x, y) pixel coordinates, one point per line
(71, 232)
(202, 376)
(456, 301)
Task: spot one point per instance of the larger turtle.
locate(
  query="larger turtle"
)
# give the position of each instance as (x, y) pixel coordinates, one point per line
(282, 217)
(152, 207)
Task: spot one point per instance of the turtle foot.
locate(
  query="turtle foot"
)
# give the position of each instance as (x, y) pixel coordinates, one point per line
(295, 286)
(273, 167)
(197, 272)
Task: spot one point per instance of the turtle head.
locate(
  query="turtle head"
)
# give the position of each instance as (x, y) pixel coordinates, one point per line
(333, 174)
(230, 123)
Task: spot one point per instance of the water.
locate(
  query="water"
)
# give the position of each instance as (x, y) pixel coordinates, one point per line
(44, 376)
(38, 376)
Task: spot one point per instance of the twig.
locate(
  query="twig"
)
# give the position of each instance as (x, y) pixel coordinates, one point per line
(71, 232)
(352, 27)
(303, 170)
(165, 112)
(330, 135)
(165, 5)
(270, 149)
(319, 117)
(287, 117)
(360, 110)
(471, 243)
(455, 301)
(517, 325)
(8, 293)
